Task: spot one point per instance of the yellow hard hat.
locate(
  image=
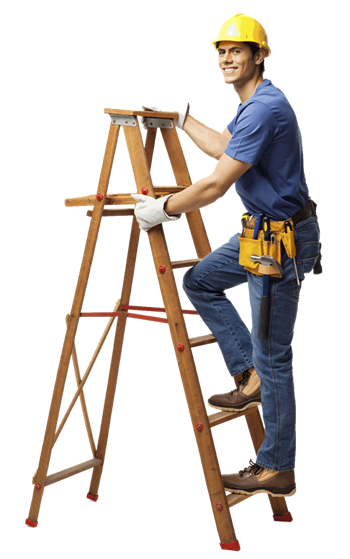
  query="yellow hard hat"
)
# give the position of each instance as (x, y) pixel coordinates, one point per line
(241, 28)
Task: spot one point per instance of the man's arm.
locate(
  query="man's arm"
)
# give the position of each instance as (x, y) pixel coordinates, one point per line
(208, 140)
(207, 190)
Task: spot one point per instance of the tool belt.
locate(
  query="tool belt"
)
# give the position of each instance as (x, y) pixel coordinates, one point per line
(279, 232)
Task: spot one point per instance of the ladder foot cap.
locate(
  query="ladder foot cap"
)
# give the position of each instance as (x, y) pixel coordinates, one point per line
(92, 497)
(31, 523)
(233, 546)
(284, 517)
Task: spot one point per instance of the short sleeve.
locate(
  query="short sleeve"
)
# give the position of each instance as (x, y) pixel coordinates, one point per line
(254, 130)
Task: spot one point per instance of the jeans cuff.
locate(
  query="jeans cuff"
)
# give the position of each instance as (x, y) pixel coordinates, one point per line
(243, 370)
(268, 467)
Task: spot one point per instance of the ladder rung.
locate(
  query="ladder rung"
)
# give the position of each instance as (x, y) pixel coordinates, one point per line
(185, 263)
(155, 309)
(234, 498)
(223, 416)
(120, 198)
(63, 474)
(107, 213)
(202, 340)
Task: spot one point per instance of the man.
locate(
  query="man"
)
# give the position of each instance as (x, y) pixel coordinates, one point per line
(260, 151)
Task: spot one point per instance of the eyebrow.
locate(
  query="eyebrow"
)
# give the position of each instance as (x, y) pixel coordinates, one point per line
(231, 48)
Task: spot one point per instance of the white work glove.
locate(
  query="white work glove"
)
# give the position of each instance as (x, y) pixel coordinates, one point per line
(179, 122)
(149, 211)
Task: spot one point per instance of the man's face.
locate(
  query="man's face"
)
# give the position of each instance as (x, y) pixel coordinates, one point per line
(236, 62)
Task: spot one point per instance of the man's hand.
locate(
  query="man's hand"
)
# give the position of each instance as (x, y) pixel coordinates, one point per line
(179, 122)
(150, 212)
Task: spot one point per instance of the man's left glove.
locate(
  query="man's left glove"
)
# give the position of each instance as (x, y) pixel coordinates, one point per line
(149, 211)
(179, 122)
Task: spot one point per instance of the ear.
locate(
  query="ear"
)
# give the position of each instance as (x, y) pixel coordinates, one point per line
(260, 55)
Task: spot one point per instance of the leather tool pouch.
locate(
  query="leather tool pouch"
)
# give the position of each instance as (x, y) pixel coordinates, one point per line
(259, 247)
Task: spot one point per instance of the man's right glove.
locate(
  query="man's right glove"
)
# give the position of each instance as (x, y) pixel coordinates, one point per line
(150, 212)
(179, 122)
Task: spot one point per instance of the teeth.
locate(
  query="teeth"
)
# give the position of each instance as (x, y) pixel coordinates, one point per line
(228, 70)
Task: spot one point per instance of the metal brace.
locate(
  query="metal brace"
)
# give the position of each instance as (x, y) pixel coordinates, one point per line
(158, 122)
(123, 120)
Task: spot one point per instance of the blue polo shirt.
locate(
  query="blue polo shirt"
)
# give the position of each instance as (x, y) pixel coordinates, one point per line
(265, 133)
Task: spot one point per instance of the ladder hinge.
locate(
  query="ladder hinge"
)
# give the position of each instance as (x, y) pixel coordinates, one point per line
(158, 122)
(123, 120)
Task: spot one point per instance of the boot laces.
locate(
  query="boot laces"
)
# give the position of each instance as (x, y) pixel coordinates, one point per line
(253, 469)
(242, 383)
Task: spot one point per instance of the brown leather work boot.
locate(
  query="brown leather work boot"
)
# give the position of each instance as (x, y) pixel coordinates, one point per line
(256, 479)
(247, 395)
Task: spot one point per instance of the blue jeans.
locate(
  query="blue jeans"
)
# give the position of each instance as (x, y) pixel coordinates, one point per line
(205, 285)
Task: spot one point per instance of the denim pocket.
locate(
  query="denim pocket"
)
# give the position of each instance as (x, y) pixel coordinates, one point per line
(307, 241)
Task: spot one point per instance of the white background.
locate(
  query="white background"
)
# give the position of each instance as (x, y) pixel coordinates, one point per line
(62, 64)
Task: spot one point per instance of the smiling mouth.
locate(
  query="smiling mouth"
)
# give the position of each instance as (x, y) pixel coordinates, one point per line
(229, 70)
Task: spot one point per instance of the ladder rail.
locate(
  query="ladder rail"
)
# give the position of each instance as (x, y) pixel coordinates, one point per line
(72, 326)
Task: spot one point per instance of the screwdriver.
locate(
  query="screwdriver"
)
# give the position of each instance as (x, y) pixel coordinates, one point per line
(266, 228)
(257, 225)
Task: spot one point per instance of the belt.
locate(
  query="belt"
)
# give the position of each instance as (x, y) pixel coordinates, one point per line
(307, 211)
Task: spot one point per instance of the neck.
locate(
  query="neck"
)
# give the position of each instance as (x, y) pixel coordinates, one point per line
(247, 89)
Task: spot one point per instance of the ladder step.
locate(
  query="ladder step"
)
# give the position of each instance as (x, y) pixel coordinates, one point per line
(233, 499)
(202, 340)
(223, 416)
(185, 263)
(111, 213)
(63, 474)
(120, 198)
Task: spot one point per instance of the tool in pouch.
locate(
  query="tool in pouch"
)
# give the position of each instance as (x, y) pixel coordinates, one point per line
(264, 302)
(288, 229)
(260, 253)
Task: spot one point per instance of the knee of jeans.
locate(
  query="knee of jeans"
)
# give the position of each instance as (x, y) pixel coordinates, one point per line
(187, 280)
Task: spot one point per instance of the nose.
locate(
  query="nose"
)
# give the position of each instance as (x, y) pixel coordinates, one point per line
(228, 57)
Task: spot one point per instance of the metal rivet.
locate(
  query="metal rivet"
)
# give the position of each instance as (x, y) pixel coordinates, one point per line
(199, 427)
(113, 121)
(162, 269)
(180, 347)
(126, 122)
(67, 200)
(37, 485)
(151, 123)
(219, 506)
(89, 200)
(72, 315)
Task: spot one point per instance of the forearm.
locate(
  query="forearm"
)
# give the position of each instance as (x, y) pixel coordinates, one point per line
(200, 194)
(207, 139)
(207, 190)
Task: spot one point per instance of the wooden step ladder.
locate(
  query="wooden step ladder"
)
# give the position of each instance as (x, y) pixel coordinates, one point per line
(141, 159)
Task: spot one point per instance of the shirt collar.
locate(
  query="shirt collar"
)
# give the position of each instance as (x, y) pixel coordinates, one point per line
(260, 86)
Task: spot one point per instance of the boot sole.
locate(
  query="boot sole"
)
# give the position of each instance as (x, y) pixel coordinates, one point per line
(236, 408)
(273, 492)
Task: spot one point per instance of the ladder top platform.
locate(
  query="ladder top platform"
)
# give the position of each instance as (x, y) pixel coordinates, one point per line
(157, 114)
